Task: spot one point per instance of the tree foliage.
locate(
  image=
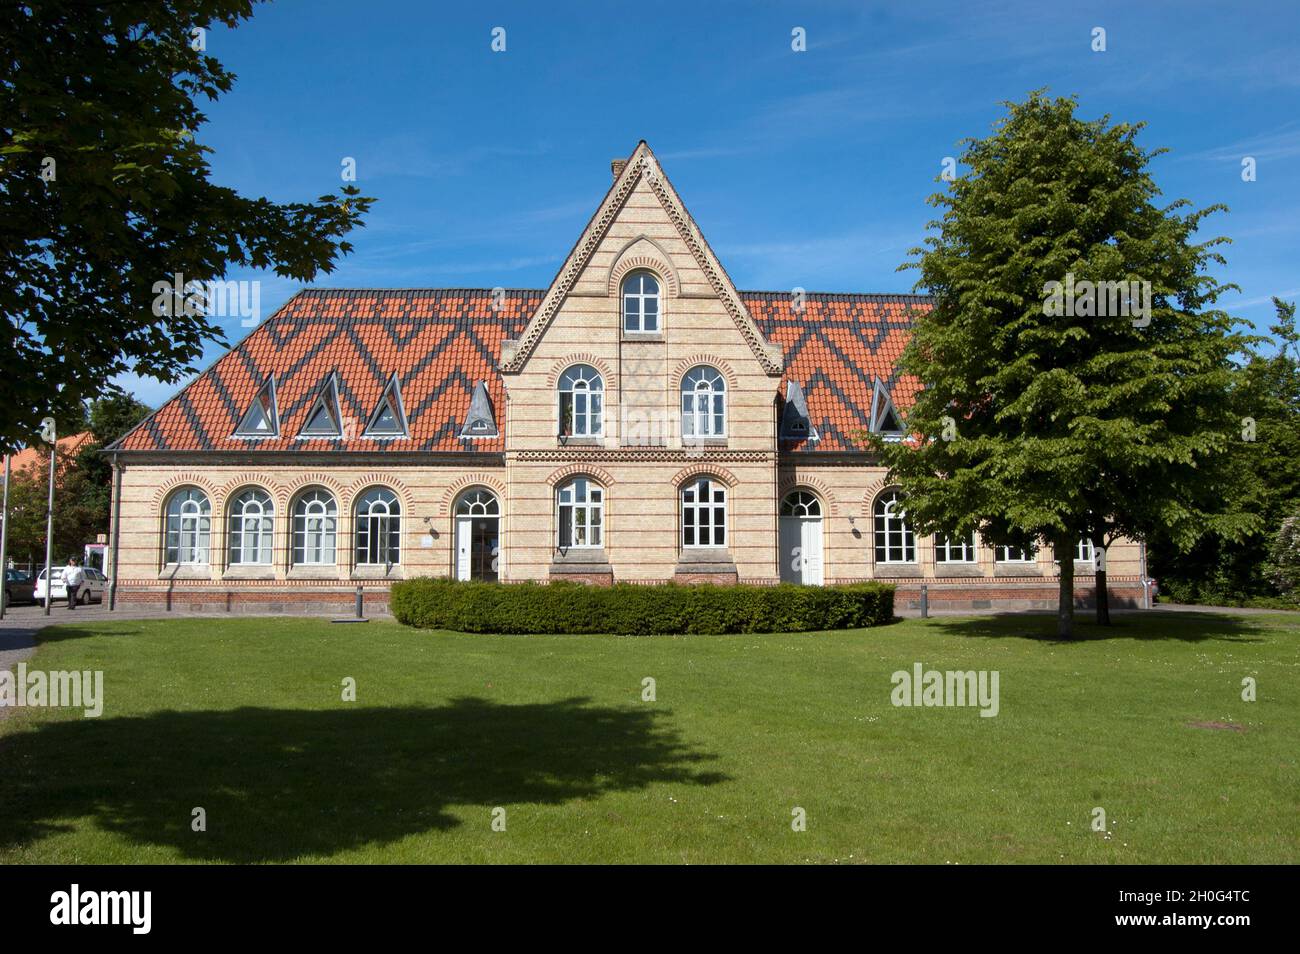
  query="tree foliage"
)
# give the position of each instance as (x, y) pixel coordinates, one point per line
(1077, 421)
(105, 191)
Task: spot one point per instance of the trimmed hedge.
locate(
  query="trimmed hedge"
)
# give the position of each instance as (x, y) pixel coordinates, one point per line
(635, 610)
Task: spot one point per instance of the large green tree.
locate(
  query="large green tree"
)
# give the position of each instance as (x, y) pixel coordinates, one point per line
(1052, 409)
(105, 191)
(1267, 399)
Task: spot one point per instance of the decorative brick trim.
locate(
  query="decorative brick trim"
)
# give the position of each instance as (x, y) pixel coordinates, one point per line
(185, 479)
(630, 259)
(606, 375)
(803, 482)
(285, 493)
(877, 486)
(461, 484)
(379, 478)
(639, 456)
(251, 480)
(704, 470)
(598, 474)
(713, 361)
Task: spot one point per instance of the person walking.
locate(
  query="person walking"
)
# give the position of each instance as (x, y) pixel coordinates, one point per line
(72, 577)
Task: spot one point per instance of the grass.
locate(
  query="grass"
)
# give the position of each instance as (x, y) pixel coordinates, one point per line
(244, 718)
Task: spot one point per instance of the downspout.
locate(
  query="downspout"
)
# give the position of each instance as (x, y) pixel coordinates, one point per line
(117, 526)
(1142, 570)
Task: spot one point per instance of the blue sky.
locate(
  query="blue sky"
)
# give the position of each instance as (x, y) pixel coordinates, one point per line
(803, 169)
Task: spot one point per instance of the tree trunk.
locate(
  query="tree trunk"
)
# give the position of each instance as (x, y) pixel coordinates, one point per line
(1065, 601)
(1102, 596)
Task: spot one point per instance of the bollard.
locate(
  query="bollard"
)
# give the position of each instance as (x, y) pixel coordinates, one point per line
(360, 613)
(925, 601)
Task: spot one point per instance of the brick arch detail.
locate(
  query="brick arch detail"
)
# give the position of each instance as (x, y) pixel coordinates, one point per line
(364, 482)
(814, 484)
(187, 479)
(598, 474)
(286, 492)
(464, 483)
(704, 470)
(712, 360)
(606, 374)
(652, 259)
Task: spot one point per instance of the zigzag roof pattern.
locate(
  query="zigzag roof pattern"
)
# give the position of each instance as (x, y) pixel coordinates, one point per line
(441, 342)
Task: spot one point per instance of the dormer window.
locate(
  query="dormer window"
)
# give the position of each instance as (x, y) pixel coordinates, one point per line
(479, 420)
(884, 419)
(262, 418)
(641, 303)
(324, 419)
(389, 418)
(795, 423)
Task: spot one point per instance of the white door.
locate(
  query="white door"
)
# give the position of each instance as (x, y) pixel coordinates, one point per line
(801, 550)
(464, 534)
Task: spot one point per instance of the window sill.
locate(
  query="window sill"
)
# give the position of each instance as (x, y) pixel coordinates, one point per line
(377, 573)
(328, 571)
(705, 560)
(689, 442)
(249, 572)
(1016, 569)
(650, 337)
(580, 441)
(957, 569)
(897, 571)
(186, 571)
(580, 555)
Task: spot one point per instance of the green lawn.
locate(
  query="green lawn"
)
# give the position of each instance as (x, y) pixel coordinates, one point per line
(244, 717)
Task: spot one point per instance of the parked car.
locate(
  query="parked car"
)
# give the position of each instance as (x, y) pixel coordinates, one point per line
(19, 587)
(93, 585)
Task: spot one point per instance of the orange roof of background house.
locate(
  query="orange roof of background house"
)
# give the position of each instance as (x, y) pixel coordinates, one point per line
(30, 457)
(440, 342)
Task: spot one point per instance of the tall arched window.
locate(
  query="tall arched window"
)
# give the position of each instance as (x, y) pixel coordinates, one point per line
(640, 302)
(580, 514)
(895, 542)
(252, 528)
(582, 395)
(315, 528)
(379, 528)
(704, 403)
(704, 513)
(189, 526)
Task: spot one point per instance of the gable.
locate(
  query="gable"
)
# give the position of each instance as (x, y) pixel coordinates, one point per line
(641, 176)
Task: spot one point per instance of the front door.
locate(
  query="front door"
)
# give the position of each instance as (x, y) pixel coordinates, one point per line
(801, 550)
(476, 548)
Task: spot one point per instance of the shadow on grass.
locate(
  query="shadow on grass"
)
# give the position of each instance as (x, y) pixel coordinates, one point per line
(1147, 625)
(277, 784)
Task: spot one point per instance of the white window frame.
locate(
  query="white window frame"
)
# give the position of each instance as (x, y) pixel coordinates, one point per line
(945, 545)
(704, 403)
(640, 297)
(383, 519)
(1008, 554)
(711, 487)
(890, 522)
(256, 527)
(580, 513)
(586, 391)
(321, 522)
(187, 521)
(1084, 551)
(801, 503)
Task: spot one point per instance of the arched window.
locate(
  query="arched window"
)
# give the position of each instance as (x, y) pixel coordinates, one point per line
(379, 528)
(580, 513)
(704, 403)
(640, 302)
(895, 542)
(252, 528)
(582, 395)
(949, 549)
(801, 503)
(189, 526)
(478, 503)
(315, 528)
(704, 514)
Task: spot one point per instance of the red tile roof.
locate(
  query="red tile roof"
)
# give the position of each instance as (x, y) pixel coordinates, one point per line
(441, 341)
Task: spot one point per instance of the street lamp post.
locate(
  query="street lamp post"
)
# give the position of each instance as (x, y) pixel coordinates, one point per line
(50, 435)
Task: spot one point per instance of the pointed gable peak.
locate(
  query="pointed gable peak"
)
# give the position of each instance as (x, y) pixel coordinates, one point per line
(641, 165)
(324, 419)
(480, 421)
(262, 419)
(389, 417)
